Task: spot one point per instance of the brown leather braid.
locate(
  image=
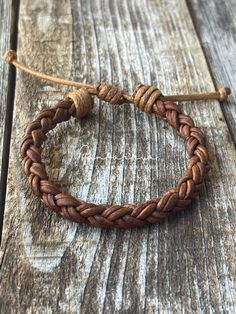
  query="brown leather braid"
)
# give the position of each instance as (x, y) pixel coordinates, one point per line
(78, 104)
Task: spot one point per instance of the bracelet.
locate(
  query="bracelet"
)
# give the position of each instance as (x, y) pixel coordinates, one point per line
(78, 103)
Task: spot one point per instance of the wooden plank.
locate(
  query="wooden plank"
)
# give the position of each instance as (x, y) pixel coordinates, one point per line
(5, 13)
(186, 263)
(216, 27)
(8, 17)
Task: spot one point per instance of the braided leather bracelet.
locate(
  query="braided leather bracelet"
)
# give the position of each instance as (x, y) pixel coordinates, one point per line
(78, 104)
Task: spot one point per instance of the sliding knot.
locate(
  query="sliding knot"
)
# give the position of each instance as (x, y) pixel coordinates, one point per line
(145, 97)
(82, 100)
(110, 93)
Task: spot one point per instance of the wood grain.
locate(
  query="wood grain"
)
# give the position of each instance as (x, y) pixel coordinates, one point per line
(216, 27)
(118, 154)
(3, 68)
(4, 43)
(8, 20)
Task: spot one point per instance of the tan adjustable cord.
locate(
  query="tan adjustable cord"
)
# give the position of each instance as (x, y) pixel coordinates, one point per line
(11, 58)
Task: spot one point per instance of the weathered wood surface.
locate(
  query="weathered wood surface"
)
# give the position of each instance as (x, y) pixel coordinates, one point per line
(4, 42)
(185, 264)
(216, 25)
(7, 38)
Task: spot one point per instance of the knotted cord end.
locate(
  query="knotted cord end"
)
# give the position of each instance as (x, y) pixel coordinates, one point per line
(224, 92)
(10, 56)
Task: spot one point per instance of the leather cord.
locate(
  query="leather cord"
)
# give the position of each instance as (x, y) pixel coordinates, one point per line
(78, 104)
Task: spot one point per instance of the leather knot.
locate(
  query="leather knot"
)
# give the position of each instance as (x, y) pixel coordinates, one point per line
(10, 56)
(110, 93)
(82, 100)
(145, 97)
(224, 93)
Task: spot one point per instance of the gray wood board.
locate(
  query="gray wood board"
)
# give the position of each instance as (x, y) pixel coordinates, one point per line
(4, 44)
(8, 35)
(215, 24)
(118, 154)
